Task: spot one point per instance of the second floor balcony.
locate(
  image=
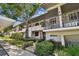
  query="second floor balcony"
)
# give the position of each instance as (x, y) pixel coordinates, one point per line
(66, 22)
(36, 28)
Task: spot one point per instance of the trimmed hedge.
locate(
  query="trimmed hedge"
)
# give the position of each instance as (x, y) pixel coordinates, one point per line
(44, 48)
(17, 36)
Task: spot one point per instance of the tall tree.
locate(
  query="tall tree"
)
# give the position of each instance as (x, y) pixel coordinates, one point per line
(21, 11)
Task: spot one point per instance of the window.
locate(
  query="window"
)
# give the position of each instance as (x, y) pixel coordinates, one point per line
(73, 16)
(36, 24)
(53, 20)
(43, 24)
(78, 15)
(36, 33)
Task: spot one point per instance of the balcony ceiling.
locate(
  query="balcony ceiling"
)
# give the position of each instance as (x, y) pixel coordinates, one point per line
(5, 22)
(69, 7)
(48, 5)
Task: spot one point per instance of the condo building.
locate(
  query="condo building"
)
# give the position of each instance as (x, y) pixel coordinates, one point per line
(60, 23)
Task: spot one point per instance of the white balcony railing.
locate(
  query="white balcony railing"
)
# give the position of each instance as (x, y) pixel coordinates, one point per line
(71, 23)
(52, 26)
(35, 28)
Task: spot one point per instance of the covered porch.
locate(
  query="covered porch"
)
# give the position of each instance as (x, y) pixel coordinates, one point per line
(67, 36)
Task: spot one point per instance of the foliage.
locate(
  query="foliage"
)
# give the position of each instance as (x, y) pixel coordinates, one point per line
(17, 36)
(61, 53)
(7, 29)
(73, 51)
(14, 10)
(44, 48)
(1, 34)
(18, 43)
(30, 39)
(27, 44)
(34, 40)
(67, 51)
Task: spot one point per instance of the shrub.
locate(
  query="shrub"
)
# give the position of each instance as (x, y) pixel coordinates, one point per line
(40, 40)
(44, 48)
(73, 51)
(30, 39)
(17, 36)
(27, 44)
(61, 52)
(2, 35)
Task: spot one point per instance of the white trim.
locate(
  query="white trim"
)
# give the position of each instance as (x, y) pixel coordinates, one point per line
(60, 16)
(56, 6)
(62, 40)
(60, 29)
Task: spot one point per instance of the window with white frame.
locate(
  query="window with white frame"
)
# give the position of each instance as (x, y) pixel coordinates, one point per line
(73, 15)
(53, 20)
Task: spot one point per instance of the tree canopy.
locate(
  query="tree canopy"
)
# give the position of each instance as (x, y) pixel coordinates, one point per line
(17, 10)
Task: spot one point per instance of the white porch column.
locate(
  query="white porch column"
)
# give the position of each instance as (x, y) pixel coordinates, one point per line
(61, 24)
(62, 40)
(60, 16)
(47, 36)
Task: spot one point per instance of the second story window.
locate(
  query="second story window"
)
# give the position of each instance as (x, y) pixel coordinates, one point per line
(53, 21)
(42, 24)
(78, 14)
(73, 16)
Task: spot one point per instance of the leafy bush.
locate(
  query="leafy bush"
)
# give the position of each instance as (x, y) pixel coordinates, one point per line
(73, 51)
(40, 40)
(17, 36)
(2, 35)
(27, 44)
(44, 48)
(60, 52)
(30, 39)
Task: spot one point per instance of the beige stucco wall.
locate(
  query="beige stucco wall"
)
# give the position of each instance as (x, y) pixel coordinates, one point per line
(55, 38)
(72, 38)
(64, 32)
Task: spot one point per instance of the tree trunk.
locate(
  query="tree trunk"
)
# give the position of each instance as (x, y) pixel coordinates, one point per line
(26, 32)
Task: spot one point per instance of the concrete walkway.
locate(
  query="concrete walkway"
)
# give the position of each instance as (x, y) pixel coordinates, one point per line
(15, 51)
